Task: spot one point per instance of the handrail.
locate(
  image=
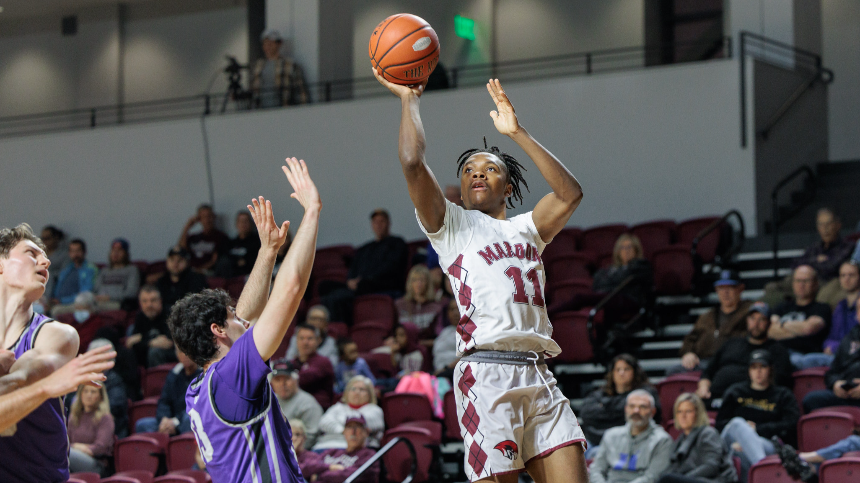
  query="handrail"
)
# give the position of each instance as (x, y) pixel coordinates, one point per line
(777, 221)
(589, 322)
(694, 249)
(379, 454)
(579, 63)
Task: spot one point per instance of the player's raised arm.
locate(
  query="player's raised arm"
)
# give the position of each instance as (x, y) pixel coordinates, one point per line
(554, 210)
(293, 276)
(424, 190)
(272, 237)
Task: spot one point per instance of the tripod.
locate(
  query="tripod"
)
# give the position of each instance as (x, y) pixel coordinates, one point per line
(234, 89)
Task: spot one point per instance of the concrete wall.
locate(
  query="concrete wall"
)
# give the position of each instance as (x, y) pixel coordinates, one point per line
(841, 44)
(657, 143)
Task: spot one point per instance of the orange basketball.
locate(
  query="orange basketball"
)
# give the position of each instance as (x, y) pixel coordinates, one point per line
(404, 49)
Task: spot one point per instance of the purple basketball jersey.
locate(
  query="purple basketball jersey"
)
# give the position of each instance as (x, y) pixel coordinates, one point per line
(39, 449)
(242, 433)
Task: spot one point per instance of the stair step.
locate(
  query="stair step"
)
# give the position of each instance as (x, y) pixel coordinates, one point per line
(764, 273)
(659, 364)
(662, 345)
(752, 256)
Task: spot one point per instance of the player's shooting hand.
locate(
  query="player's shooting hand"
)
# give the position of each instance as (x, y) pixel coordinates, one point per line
(84, 369)
(305, 191)
(7, 358)
(504, 116)
(272, 236)
(401, 91)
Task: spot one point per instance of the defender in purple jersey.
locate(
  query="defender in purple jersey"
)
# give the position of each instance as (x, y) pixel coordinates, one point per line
(240, 429)
(36, 448)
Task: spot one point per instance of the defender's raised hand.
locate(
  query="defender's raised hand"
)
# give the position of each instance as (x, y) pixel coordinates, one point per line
(271, 235)
(400, 90)
(305, 192)
(504, 116)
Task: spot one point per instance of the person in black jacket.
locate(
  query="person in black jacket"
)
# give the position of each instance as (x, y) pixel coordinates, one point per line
(752, 412)
(179, 280)
(843, 377)
(604, 408)
(698, 455)
(170, 416)
(149, 337)
(729, 364)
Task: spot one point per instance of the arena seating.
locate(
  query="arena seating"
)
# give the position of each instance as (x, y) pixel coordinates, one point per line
(769, 470)
(823, 428)
(403, 407)
(841, 470)
(154, 379)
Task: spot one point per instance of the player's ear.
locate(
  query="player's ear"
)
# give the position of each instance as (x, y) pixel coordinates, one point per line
(220, 332)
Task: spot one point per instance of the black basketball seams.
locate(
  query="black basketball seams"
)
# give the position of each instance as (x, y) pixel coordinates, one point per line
(401, 40)
(373, 55)
(414, 61)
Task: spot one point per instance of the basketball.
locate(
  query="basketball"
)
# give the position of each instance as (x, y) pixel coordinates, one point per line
(404, 49)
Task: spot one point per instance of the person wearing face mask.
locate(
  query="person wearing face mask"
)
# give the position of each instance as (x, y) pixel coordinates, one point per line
(85, 319)
(638, 451)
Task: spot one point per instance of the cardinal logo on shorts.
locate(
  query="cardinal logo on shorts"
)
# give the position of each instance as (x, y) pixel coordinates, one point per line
(509, 449)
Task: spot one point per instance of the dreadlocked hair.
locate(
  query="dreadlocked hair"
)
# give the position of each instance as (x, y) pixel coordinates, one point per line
(512, 166)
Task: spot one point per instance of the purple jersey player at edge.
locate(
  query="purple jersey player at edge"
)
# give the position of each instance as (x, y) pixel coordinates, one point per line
(240, 429)
(36, 449)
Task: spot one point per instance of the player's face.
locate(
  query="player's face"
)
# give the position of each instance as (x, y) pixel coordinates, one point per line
(760, 375)
(685, 415)
(236, 326)
(484, 183)
(26, 269)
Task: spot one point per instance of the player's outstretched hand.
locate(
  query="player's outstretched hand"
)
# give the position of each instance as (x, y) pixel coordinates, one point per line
(305, 192)
(399, 90)
(84, 369)
(272, 236)
(504, 116)
(7, 358)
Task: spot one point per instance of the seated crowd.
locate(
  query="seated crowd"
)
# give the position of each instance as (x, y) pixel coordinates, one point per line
(743, 352)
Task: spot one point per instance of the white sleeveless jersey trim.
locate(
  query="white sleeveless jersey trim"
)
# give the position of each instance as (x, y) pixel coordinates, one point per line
(208, 376)
(498, 277)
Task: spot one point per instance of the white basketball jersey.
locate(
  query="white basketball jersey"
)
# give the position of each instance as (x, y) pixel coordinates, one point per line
(497, 275)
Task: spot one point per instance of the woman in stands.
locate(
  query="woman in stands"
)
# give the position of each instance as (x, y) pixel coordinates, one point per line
(418, 305)
(91, 429)
(604, 408)
(698, 455)
(116, 286)
(359, 398)
(407, 355)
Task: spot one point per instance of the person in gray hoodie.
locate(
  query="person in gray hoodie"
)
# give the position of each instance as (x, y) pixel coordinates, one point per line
(637, 452)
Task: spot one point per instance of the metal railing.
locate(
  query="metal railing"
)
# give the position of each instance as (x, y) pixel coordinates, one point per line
(809, 188)
(379, 454)
(575, 64)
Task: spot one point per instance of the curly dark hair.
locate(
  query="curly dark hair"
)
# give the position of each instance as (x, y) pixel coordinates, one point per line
(640, 379)
(190, 321)
(513, 168)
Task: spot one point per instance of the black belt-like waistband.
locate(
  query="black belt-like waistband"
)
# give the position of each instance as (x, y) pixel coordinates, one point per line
(504, 357)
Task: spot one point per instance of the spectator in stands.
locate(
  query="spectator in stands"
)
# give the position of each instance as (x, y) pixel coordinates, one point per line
(207, 245)
(318, 316)
(125, 364)
(78, 276)
(300, 445)
(350, 365)
(824, 257)
(316, 374)
(275, 80)
(803, 324)
(57, 251)
(418, 305)
(86, 320)
(638, 451)
(91, 430)
(843, 377)
(445, 345)
(845, 313)
(170, 416)
(603, 408)
(405, 352)
(179, 280)
(116, 394)
(242, 250)
(628, 260)
(754, 411)
(335, 465)
(730, 365)
(116, 285)
(149, 336)
(359, 399)
(804, 466)
(295, 403)
(698, 455)
(378, 267)
(716, 326)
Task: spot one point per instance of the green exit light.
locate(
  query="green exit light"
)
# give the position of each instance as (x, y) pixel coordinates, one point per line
(464, 27)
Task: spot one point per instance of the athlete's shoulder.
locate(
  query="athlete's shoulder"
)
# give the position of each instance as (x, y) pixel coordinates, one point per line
(57, 336)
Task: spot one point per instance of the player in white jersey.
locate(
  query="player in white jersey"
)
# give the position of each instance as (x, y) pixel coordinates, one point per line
(513, 417)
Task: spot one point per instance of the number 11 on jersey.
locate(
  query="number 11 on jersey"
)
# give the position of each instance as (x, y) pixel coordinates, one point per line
(520, 295)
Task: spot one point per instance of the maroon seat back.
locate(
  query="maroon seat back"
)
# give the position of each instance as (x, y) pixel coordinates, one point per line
(670, 388)
(376, 307)
(673, 271)
(154, 379)
(199, 476)
(169, 478)
(567, 267)
(570, 331)
(137, 452)
(707, 247)
(654, 235)
(87, 477)
(565, 243)
(435, 428)
(334, 256)
(369, 335)
(808, 380)
(557, 293)
(380, 364)
(398, 462)
(139, 475)
(852, 411)
(601, 239)
(338, 330)
(769, 470)
(402, 407)
(145, 408)
(181, 451)
(452, 422)
(823, 428)
(840, 470)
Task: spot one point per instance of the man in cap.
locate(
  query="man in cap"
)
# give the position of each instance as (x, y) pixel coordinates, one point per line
(335, 465)
(275, 80)
(295, 403)
(179, 280)
(716, 326)
(754, 411)
(729, 366)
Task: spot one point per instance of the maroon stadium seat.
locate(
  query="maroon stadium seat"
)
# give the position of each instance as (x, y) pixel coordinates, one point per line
(235, 286)
(87, 477)
(380, 364)
(120, 479)
(673, 271)
(769, 470)
(558, 293)
(216, 282)
(823, 428)
(565, 243)
(139, 475)
(369, 335)
(145, 408)
(689, 229)
(570, 331)
(398, 462)
(673, 386)
(806, 381)
(199, 476)
(334, 256)
(840, 470)
(601, 239)
(72, 479)
(654, 235)
(138, 452)
(852, 411)
(402, 407)
(181, 450)
(338, 330)
(452, 422)
(571, 266)
(435, 428)
(154, 379)
(170, 478)
(375, 307)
